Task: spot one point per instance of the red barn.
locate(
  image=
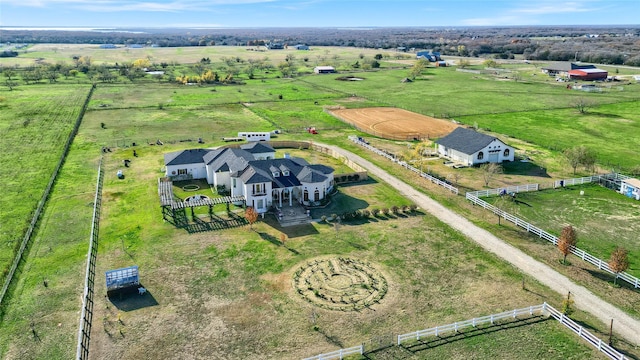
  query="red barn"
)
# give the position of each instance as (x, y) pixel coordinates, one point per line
(588, 74)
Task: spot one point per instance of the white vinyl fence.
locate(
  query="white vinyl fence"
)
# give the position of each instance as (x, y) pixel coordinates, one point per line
(601, 264)
(404, 164)
(457, 326)
(339, 354)
(585, 334)
(589, 179)
(535, 310)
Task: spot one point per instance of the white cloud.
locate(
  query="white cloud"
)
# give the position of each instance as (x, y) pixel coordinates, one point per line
(556, 8)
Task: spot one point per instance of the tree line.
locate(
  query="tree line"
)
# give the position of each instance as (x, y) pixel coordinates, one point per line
(614, 45)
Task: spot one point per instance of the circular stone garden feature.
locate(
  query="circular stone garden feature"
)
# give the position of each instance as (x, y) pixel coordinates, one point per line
(191, 187)
(340, 283)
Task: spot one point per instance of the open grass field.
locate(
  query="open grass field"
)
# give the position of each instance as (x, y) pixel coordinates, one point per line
(54, 53)
(603, 218)
(393, 123)
(35, 125)
(230, 292)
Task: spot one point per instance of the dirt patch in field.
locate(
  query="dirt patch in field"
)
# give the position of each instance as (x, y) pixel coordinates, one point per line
(395, 124)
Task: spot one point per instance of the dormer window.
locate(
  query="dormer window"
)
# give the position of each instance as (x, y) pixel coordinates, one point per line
(276, 174)
(285, 173)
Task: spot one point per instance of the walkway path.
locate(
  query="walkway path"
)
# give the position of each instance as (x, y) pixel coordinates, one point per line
(624, 325)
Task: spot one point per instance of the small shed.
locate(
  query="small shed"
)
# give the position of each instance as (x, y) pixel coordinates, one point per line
(122, 279)
(324, 70)
(631, 188)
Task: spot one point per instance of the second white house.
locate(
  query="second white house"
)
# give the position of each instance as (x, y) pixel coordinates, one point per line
(470, 147)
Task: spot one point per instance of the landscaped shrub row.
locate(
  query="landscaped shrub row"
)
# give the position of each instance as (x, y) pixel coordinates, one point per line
(375, 212)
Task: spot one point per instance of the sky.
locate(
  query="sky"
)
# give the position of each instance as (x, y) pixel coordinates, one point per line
(314, 13)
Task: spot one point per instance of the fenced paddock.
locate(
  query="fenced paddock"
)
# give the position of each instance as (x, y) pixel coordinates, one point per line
(601, 264)
(393, 123)
(442, 331)
(404, 164)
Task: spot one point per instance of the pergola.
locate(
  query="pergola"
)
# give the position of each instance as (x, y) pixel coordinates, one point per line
(171, 204)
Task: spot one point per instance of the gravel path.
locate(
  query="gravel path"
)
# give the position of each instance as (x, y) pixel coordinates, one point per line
(624, 325)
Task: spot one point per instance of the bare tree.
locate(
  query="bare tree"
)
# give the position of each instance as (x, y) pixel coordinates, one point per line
(580, 155)
(489, 171)
(619, 261)
(566, 240)
(251, 215)
(582, 104)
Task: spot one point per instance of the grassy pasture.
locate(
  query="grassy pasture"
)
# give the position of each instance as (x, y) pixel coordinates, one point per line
(35, 124)
(54, 53)
(603, 219)
(230, 291)
(612, 130)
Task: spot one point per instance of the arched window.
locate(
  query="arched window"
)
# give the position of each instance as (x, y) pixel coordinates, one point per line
(480, 155)
(305, 195)
(316, 195)
(506, 152)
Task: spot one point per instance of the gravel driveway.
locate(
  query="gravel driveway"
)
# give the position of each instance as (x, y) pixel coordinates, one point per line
(624, 325)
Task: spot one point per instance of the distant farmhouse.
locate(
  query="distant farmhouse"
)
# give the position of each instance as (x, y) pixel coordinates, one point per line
(563, 68)
(274, 45)
(301, 47)
(432, 56)
(471, 147)
(253, 171)
(107, 46)
(588, 74)
(631, 188)
(324, 70)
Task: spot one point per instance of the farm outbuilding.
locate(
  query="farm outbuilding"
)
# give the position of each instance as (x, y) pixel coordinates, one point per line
(432, 56)
(588, 74)
(631, 188)
(470, 147)
(563, 68)
(324, 70)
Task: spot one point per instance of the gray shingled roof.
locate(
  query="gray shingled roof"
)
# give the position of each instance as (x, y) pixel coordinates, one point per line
(191, 156)
(466, 141)
(229, 160)
(257, 148)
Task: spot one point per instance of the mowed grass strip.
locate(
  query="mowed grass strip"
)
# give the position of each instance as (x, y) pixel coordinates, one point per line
(603, 219)
(41, 313)
(35, 123)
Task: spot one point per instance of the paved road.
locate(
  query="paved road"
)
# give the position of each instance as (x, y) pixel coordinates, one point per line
(624, 325)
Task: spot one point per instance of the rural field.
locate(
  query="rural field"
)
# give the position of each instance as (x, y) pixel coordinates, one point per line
(603, 218)
(231, 293)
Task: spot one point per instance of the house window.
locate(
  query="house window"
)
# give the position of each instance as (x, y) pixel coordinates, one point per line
(480, 155)
(285, 173)
(182, 171)
(260, 204)
(506, 152)
(234, 182)
(276, 174)
(257, 189)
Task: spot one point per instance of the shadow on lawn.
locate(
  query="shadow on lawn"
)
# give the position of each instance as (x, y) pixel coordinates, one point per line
(432, 342)
(130, 299)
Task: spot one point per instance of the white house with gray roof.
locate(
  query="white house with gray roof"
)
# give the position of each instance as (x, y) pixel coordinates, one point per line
(470, 147)
(253, 172)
